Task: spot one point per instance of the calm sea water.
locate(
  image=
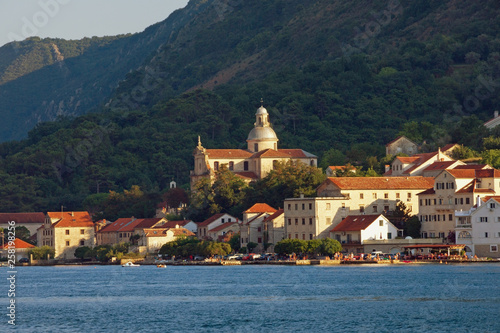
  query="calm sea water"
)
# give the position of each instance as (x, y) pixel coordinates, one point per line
(413, 298)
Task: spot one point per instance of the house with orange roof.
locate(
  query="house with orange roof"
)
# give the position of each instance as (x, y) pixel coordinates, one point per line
(339, 197)
(213, 222)
(253, 163)
(274, 228)
(116, 232)
(252, 228)
(332, 170)
(352, 231)
(454, 190)
(479, 227)
(32, 221)
(416, 164)
(21, 247)
(153, 239)
(401, 145)
(436, 168)
(224, 232)
(65, 232)
(187, 224)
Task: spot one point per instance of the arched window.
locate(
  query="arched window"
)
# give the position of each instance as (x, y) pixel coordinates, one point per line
(256, 147)
(312, 163)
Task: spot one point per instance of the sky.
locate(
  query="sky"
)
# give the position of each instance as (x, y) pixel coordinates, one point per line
(76, 19)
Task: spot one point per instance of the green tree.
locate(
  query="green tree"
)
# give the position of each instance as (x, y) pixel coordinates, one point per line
(332, 157)
(83, 252)
(44, 252)
(289, 246)
(235, 242)
(329, 247)
(413, 227)
(251, 246)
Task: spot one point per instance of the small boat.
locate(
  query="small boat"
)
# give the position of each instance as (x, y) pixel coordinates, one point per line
(161, 265)
(130, 264)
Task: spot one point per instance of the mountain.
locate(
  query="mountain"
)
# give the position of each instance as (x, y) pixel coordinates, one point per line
(339, 78)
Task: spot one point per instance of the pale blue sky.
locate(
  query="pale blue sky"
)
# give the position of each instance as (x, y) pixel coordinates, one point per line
(75, 19)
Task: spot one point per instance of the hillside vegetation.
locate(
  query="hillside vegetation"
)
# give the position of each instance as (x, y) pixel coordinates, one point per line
(426, 69)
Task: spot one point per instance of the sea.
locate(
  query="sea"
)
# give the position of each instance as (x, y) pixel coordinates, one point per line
(254, 298)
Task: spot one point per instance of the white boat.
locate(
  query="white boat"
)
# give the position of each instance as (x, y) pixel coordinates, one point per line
(130, 264)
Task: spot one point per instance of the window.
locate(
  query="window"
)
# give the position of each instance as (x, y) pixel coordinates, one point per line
(493, 248)
(310, 236)
(328, 220)
(492, 205)
(386, 195)
(259, 240)
(303, 206)
(82, 242)
(483, 219)
(361, 196)
(421, 202)
(296, 207)
(409, 195)
(386, 208)
(255, 147)
(441, 235)
(67, 231)
(467, 201)
(303, 236)
(310, 221)
(389, 235)
(216, 166)
(222, 220)
(82, 232)
(374, 209)
(374, 195)
(303, 221)
(296, 236)
(450, 217)
(381, 223)
(289, 236)
(67, 243)
(231, 165)
(397, 195)
(498, 219)
(310, 206)
(361, 208)
(435, 202)
(289, 206)
(328, 206)
(289, 221)
(486, 235)
(296, 221)
(259, 229)
(245, 166)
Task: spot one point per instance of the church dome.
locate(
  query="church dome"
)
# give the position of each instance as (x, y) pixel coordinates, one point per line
(261, 110)
(262, 133)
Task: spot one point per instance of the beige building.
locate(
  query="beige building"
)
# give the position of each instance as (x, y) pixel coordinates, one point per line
(253, 226)
(154, 238)
(453, 190)
(401, 145)
(213, 222)
(416, 164)
(65, 232)
(221, 232)
(479, 228)
(32, 221)
(339, 197)
(253, 163)
(274, 228)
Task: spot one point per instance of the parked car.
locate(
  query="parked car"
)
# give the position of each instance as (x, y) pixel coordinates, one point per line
(198, 258)
(24, 260)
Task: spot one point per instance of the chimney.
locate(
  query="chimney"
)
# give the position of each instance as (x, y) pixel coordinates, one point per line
(302, 195)
(495, 114)
(478, 201)
(72, 214)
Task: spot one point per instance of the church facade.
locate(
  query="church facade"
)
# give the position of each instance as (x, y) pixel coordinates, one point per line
(253, 163)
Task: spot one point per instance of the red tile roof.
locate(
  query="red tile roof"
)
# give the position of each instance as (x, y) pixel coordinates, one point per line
(472, 166)
(71, 219)
(222, 226)
(274, 215)
(246, 175)
(210, 220)
(488, 173)
(422, 158)
(260, 208)
(22, 218)
(407, 160)
(270, 153)
(147, 223)
(228, 153)
(19, 244)
(172, 224)
(494, 197)
(119, 224)
(463, 173)
(356, 223)
(297, 153)
(396, 183)
(440, 165)
(429, 191)
(182, 231)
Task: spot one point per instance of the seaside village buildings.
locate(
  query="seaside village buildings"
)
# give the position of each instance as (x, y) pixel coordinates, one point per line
(454, 201)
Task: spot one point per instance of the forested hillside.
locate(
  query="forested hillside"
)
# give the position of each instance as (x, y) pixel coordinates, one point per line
(340, 80)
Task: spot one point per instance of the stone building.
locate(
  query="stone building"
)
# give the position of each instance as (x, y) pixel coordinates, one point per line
(253, 163)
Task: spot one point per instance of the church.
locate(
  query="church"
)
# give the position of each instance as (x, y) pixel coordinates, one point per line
(252, 163)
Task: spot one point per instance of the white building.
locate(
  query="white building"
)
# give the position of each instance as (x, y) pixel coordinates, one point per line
(479, 228)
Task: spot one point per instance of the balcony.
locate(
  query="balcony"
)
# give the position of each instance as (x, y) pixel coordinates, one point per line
(463, 226)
